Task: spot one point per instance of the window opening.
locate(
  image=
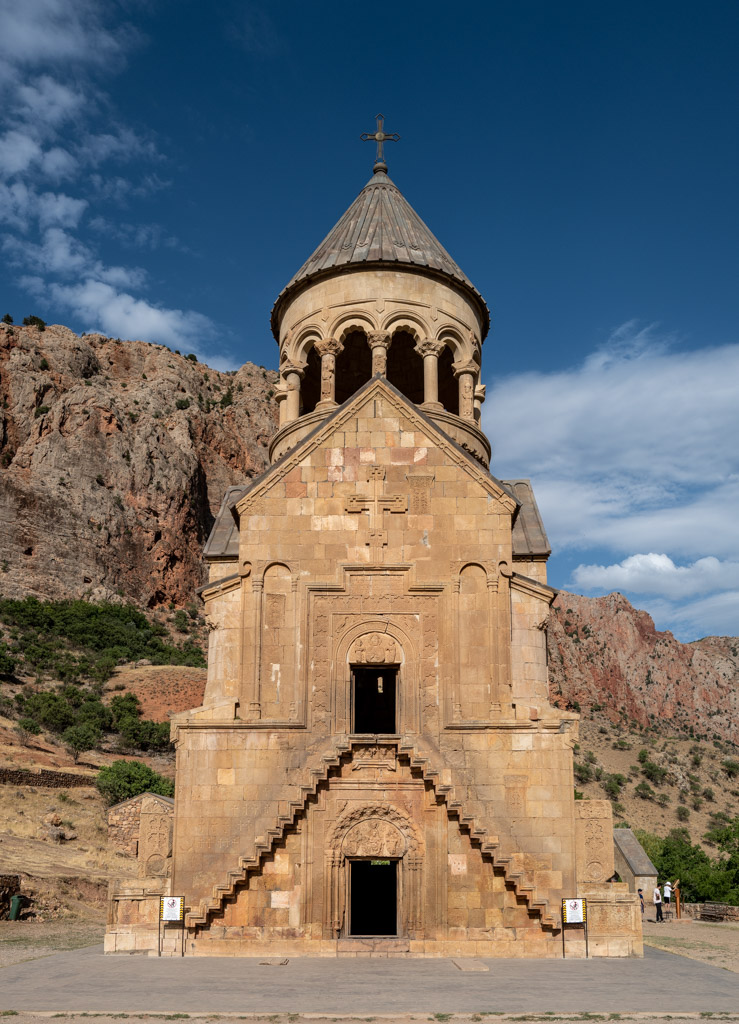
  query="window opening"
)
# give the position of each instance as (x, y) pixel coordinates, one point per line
(405, 367)
(374, 700)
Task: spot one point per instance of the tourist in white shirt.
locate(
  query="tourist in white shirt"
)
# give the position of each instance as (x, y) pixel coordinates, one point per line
(657, 897)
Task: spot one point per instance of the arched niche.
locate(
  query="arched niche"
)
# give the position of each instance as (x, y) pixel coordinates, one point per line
(277, 662)
(405, 366)
(448, 387)
(353, 365)
(310, 386)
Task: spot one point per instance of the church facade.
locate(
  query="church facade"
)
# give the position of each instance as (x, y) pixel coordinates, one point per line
(376, 768)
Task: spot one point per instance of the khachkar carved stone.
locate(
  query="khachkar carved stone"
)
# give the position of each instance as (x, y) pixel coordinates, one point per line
(374, 649)
(328, 349)
(155, 839)
(379, 342)
(594, 835)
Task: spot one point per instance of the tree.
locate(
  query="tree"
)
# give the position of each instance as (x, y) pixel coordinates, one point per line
(34, 321)
(124, 779)
(7, 319)
(7, 664)
(79, 738)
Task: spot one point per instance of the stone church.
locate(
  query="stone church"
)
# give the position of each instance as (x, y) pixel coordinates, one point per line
(376, 768)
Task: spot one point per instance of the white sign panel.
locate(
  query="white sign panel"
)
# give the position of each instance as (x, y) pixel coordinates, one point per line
(172, 908)
(573, 911)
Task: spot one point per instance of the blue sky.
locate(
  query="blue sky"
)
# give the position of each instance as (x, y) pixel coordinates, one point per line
(166, 166)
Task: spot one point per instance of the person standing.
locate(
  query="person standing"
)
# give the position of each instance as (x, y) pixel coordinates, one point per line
(657, 897)
(641, 902)
(667, 893)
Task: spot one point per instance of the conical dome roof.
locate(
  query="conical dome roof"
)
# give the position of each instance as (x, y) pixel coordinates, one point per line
(381, 227)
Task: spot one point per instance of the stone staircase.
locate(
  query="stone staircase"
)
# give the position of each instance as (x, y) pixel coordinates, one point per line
(422, 759)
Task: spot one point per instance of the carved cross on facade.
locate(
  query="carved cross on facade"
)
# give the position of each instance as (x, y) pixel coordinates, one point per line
(380, 137)
(377, 504)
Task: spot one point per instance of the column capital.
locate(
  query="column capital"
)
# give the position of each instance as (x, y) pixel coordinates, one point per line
(466, 366)
(379, 339)
(429, 347)
(328, 347)
(289, 367)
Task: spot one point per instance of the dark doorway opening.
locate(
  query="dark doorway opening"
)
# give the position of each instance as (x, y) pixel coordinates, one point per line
(373, 889)
(374, 700)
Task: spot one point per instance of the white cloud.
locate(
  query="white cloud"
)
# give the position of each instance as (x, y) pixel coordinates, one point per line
(633, 451)
(657, 574)
(18, 151)
(41, 31)
(53, 55)
(103, 307)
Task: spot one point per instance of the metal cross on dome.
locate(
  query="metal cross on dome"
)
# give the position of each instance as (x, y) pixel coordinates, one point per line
(380, 137)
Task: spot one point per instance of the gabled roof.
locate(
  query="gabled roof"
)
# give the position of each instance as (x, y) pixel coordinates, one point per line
(381, 227)
(223, 542)
(529, 536)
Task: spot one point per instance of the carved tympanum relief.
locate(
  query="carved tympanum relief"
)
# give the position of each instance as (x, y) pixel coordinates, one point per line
(374, 838)
(374, 649)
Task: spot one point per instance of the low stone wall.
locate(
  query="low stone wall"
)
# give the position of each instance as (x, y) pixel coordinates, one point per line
(44, 777)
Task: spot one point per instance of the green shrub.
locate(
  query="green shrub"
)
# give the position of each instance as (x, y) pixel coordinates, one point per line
(731, 768)
(40, 410)
(682, 812)
(643, 756)
(183, 403)
(124, 779)
(34, 321)
(227, 399)
(181, 621)
(7, 319)
(583, 772)
(7, 664)
(653, 772)
(79, 738)
(613, 784)
(645, 791)
(29, 725)
(44, 364)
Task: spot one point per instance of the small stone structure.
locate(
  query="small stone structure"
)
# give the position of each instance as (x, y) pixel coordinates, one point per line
(142, 827)
(633, 864)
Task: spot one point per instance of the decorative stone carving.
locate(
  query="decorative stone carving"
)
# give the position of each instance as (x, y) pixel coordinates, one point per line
(374, 649)
(386, 814)
(374, 838)
(379, 342)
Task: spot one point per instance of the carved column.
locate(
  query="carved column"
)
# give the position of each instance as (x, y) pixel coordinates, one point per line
(281, 399)
(465, 374)
(479, 399)
(328, 349)
(430, 351)
(379, 342)
(292, 374)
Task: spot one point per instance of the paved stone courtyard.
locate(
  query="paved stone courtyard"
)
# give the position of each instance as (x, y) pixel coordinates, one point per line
(86, 981)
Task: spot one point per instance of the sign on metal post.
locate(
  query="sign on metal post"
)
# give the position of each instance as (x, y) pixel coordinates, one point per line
(575, 911)
(172, 908)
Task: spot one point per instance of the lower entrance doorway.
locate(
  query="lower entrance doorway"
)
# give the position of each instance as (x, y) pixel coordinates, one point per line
(373, 700)
(373, 897)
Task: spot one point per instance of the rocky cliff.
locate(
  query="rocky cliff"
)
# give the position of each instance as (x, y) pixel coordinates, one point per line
(602, 651)
(114, 457)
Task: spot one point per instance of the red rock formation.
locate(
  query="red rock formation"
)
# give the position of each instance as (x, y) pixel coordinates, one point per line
(114, 457)
(603, 651)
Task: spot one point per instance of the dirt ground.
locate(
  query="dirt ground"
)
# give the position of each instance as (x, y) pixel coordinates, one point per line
(29, 940)
(715, 943)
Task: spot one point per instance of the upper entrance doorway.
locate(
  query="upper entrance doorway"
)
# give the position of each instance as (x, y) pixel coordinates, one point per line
(374, 700)
(373, 897)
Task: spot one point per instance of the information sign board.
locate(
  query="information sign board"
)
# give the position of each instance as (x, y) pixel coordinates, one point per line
(574, 911)
(172, 908)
